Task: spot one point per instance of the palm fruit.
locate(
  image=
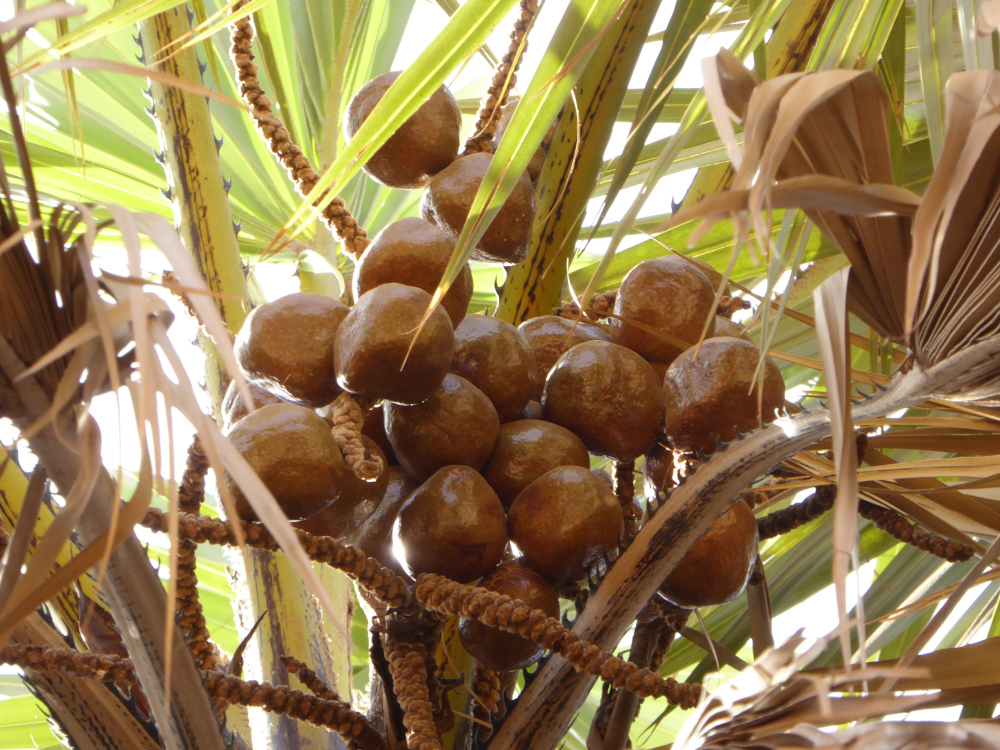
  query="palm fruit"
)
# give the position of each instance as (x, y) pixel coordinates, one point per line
(452, 525)
(374, 427)
(422, 146)
(550, 336)
(492, 355)
(497, 649)
(449, 196)
(712, 392)
(294, 453)
(608, 396)
(357, 500)
(375, 339)
(374, 537)
(717, 567)
(234, 408)
(525, 450)
(668, 294)
(565, 522)
(725, 327)
(457, 424)
(414, 252)
(658, 470)
(286, 346)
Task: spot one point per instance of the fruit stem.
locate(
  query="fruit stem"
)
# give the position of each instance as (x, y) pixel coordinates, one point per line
(335, 214)
(348, 417)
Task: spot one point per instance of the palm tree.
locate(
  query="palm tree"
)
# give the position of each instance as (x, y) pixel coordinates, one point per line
(857, 156)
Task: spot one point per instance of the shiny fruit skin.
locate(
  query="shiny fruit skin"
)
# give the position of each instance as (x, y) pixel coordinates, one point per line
(374, 427)
(375, 339)
(374, 537)
(492, 355)
(233, 407)
(357, 500)
(565, 522)
(422, 146)
(608, 396)
(712, 392)
(718, 566)
(550, 336)
(497, 649)
(450, 194)
(452, 525)
(456, 425)
(294, 454)
(414, 252)
(726, 327)
(286, 346)
(669, 294)
(525, 450)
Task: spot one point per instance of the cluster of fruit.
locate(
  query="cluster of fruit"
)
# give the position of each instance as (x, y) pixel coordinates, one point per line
(487, 430)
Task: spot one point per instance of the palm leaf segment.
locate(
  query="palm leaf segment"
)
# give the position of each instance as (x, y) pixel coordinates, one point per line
(820, 142)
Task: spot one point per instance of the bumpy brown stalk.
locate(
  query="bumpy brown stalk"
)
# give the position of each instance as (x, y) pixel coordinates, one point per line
(309, 678)
(897, 526)
(348, 417)
(450, 598)
(382, 582)
(490, 109)
(190, 495)
(80, 663)
(623, 483)
(782, 521)
(407, 665)
(331, 714)
(275, 134)
(485, 690)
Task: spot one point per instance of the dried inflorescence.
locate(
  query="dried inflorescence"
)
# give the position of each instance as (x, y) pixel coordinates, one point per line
(897, 526)
(275, 134)
(80, 663)
(331, 714)
(486, 691)
(382, 582)
(309, 678)
(782, 521)
(450, 598)
(481, 140)
(408, 667)
(348, 418)
(623, 483)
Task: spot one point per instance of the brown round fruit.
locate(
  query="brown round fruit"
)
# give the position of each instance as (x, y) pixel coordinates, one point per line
(357, 500)
(234, 408)
(550, 336)
(565, 522)
(608, 396)
(497, 649)
(725, 327)
(286, 346)
(376, 337)
(374, 427)
(293, 452)
(717, 568)
(492, 355)
(422, 146)
(374, 537)
(708, 394)
(457, 425)
(667, 294)
(525, 450)
(414, 252)
(452, 525)
(449, 197)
